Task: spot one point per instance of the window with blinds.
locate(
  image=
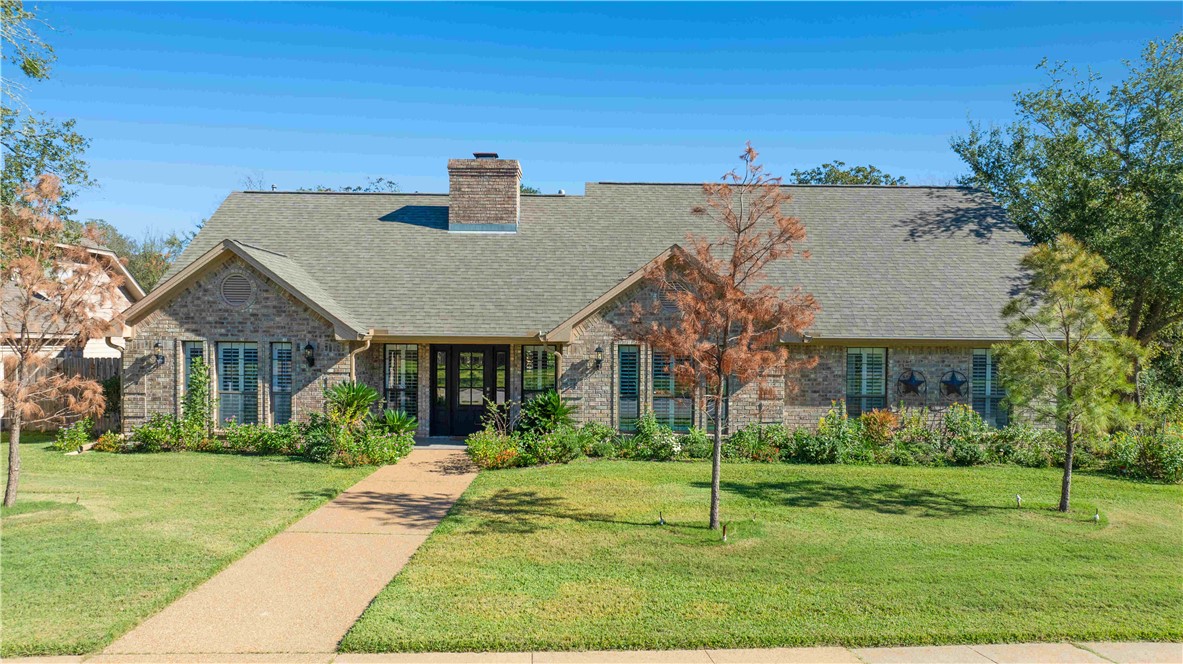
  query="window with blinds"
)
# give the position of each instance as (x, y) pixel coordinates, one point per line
(866, 379)
(673, 397)
(402, 378)
(238, 382)
(539, 371)
(281, 382)
(192, 351)
(628, 386)
(987, 389)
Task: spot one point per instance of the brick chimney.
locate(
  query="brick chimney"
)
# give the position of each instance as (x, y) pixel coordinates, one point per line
(484, 194)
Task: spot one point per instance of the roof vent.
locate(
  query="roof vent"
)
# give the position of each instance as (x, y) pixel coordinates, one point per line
(237, 290)
(485, 155)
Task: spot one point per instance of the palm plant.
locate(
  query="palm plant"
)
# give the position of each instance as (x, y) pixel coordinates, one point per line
(395, 422)
(545, 413)
(348, 403)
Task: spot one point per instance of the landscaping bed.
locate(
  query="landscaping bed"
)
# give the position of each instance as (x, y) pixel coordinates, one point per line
(572, 557)
(98, 542)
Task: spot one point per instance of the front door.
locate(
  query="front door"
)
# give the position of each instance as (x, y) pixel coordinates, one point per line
(462, 378)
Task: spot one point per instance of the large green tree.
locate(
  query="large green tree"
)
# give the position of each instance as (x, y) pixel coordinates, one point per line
(837, 172)
(1104, 165)
(34, 144)
(1064, 365)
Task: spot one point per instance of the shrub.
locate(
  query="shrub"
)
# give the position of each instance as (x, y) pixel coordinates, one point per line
(319, 436)
(966, 435)
(1162, 455)
(755, 443)
(558, 446)
(371, 447)
(914, 442)
(545, 413)
(810, 447)
(491, 450)
(842, 437)
(262, 439)
(108, 442)
(598, 440)
(1152, 455)
(348, 403)
(698, 444)
(879, 427)
(158, 434)
(73, 437)
(1024, 445)
(112, 393)
(396, 422)
(654, 441)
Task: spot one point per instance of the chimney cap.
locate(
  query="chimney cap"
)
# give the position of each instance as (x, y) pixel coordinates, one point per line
(485, 155)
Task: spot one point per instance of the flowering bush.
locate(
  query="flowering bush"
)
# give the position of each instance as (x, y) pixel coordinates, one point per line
(655, 441)
(491, 450)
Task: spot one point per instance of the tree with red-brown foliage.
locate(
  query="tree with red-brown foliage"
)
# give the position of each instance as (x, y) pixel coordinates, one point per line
(729, 321)
(56, 294)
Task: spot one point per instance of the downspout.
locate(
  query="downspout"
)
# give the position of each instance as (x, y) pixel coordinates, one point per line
(353, 359)
(542, 337)
(122, 350)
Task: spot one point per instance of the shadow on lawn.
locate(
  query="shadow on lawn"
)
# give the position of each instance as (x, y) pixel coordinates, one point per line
(521, 512)
(881, 498)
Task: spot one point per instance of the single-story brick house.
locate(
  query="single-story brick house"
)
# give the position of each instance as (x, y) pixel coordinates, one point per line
(440, 301)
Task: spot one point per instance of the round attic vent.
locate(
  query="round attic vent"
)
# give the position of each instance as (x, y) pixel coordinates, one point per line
(237, 290)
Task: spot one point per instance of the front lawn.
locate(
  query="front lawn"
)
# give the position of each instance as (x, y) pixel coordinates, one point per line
(98, 542)
(570, 557)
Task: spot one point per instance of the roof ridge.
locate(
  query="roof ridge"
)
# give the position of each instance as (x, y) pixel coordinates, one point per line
(792, 184)
(255, 246)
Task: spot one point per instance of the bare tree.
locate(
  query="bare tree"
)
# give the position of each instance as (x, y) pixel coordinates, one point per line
(55, 293)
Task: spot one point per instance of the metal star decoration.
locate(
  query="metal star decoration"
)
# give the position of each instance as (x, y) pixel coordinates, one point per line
(912, 383)
(953, 383)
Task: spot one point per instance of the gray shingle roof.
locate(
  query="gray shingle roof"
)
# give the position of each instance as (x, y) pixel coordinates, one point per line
(887, 262)
(299, 279)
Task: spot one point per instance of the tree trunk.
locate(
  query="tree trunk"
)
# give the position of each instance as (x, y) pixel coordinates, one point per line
(716, 458)
(14, 459)
(1066, 485)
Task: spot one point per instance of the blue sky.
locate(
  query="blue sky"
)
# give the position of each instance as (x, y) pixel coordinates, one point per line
(183, 101)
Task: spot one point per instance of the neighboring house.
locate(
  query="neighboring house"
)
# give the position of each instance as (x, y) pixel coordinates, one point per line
(441, 301)
(129, 293)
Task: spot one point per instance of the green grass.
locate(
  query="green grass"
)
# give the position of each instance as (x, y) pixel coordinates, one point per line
(98, 542)
(570, 557)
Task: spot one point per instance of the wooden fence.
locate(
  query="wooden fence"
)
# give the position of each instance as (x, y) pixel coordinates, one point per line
(97, 368)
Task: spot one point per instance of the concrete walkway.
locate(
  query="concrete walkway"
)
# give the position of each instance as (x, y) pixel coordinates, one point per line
(1012, 653)
(300, 591)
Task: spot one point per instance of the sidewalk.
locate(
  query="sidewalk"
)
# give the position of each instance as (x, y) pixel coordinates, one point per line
(1014, 653)
(300, 591)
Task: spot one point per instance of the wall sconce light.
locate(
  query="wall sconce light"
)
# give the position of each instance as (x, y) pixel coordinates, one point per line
(310, 354)
(158, 352)
(599, 356)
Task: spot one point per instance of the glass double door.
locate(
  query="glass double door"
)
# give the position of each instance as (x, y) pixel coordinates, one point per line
(463, 379)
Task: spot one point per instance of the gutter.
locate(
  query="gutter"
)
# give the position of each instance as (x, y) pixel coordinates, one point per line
(353, 357)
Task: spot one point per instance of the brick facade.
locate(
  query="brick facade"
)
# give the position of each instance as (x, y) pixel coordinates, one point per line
(201, 314)
(798, 396)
